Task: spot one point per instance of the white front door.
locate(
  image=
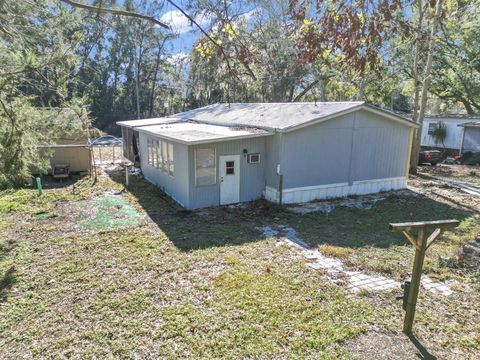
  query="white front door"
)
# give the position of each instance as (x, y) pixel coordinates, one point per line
(229, 179)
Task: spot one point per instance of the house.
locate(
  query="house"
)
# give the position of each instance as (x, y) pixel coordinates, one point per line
(288, 152)
(130, 135)
(454, 131)
(470, 140)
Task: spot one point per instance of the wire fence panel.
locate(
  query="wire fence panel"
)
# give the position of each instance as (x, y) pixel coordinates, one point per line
(108, 154)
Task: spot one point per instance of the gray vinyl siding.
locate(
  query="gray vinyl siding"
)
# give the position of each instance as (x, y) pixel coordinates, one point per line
(177, 186)
(471, 139)
(272, 159)
(252, 176)
(354, 147)
(380, 148)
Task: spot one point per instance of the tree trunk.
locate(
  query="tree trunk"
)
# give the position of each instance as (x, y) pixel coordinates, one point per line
(154, 81)
(425, 86)
(468, 106)
(361, 88)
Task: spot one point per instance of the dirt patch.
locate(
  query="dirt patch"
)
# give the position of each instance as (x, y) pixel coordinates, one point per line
(393, 346)
(467, 173)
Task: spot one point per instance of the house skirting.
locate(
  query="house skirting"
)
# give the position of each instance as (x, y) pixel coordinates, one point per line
(309, 193)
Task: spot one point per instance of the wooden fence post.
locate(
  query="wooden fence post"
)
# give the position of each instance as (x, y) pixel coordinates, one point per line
(428, 231)
(415, 282)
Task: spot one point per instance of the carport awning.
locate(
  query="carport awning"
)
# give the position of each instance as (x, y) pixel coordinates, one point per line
(192, 133)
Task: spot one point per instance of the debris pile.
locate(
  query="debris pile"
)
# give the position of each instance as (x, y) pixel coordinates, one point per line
(365, 203)
(471, 254)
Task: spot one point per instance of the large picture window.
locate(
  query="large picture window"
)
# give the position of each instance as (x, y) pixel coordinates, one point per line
(160, 155)
(205, 167)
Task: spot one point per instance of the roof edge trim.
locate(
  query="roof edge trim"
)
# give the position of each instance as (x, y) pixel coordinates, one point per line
(199, 142)
(363, 106)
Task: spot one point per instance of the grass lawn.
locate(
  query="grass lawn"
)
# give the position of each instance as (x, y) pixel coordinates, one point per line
(96, 272)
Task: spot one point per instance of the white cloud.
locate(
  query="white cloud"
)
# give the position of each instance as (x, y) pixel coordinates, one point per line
(249, 15)
(178, 58)
(179, 22)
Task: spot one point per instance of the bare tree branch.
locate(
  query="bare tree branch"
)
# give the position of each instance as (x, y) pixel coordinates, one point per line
(115, 12)
(306, 90)
(220, 47)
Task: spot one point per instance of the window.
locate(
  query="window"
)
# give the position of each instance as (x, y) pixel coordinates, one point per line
(160, 155)
(158, 151)
(150, 151)
(170, 159)
(154, 153)
(230, 168)
(432, 127)
(164, 164)
(253, 158)
(205, 167)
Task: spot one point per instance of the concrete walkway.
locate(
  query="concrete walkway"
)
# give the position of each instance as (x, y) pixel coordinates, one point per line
(336, 271)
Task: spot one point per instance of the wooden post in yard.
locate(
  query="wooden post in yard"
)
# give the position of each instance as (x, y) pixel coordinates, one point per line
(428, 231)
(415, 282)
(126, 177)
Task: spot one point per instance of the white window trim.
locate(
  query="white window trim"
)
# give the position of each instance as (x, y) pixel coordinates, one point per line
(170, 163)
(155, 148)
(195, 166)
(254, 163)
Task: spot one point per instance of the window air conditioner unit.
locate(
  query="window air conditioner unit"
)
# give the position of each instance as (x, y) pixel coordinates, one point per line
(253, 158)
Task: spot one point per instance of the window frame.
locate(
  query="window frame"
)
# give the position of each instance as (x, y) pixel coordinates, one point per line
(249, 158)
(164, 165)
(157, 158)
(150, 151)
(215, 181)
(171, 161)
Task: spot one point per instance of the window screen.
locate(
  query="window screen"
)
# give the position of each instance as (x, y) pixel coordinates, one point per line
(171, 167)
(154, 153)
(158, 152)
(205, 167)
(164, 156)
(160, 155)
(150, 152)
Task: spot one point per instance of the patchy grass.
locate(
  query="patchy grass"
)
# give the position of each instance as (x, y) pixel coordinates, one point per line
(206, 285)
(107, 211)
(335, 251)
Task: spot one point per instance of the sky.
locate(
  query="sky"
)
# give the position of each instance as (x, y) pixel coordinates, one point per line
(187, 35)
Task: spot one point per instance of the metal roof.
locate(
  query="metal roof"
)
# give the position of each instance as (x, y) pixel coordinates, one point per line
(147, 122)
(267, 115)
(192, 133)
(471, 124)
(453, 116)
(270, 116)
